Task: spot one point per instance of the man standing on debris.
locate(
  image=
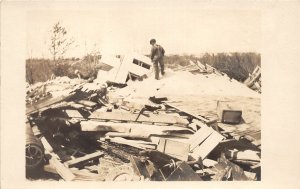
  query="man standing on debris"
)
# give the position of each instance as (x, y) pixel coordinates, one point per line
(157, 56)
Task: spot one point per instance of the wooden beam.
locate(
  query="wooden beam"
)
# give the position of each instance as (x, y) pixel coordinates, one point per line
(80, 160)
(63, 171)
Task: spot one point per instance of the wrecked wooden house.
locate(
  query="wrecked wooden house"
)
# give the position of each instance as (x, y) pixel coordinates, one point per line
(129, 66)
(77, 131)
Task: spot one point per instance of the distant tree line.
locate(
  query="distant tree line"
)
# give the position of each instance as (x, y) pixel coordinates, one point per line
(235, 65)
(40, 70)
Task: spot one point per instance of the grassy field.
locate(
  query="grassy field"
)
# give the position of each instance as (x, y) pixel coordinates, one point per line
(235, 65)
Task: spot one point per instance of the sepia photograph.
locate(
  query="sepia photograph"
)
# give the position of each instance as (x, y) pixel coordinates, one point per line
(142, 92)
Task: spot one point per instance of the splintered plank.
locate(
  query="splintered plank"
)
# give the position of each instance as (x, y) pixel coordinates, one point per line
(207, 146)
(122, 116)
(74, 162)
(200, 136)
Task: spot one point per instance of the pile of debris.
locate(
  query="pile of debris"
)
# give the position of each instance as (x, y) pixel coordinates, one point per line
(77, 130)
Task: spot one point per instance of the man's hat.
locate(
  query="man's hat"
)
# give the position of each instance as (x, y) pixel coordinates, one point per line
(152, 41)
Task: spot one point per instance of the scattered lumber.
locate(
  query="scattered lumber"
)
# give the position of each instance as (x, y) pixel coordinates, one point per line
(160, 140)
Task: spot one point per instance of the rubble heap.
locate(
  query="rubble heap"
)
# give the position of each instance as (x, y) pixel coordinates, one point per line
(101, 132)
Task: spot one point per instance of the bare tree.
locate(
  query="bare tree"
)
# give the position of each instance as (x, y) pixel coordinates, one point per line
(60, 42)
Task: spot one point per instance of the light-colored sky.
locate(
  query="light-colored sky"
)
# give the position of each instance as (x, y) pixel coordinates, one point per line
(117, 29)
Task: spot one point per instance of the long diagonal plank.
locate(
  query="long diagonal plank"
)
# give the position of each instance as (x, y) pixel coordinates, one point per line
(207, 146)
(189, 113)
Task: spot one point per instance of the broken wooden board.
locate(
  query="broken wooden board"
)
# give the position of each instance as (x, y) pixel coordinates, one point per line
(80, 160)
(63, 171)
(207, 146)
(200, 136)
(179, 150)
(151, 118)
(207, 121)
